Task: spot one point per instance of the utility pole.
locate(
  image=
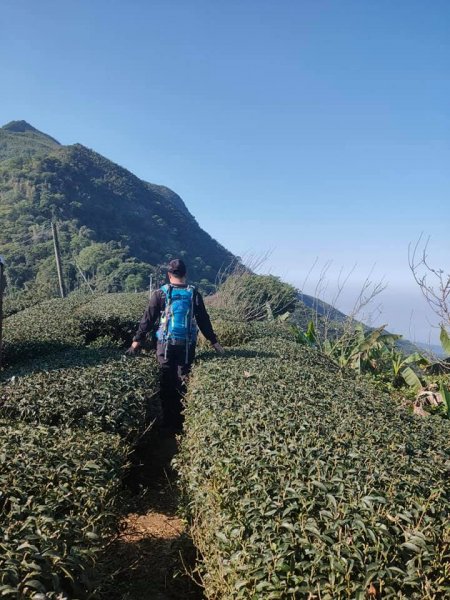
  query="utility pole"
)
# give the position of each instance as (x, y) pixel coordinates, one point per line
(2, 287)
(150, 288)
(62, 289)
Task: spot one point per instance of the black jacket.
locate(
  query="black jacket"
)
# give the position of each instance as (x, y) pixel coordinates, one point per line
(156, 307)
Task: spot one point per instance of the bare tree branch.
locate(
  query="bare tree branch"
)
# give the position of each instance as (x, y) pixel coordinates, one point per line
(433, 283)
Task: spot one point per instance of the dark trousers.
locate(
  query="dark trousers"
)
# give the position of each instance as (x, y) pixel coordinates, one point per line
(173, 375)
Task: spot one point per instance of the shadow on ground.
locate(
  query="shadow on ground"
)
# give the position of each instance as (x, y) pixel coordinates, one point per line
(153, 556)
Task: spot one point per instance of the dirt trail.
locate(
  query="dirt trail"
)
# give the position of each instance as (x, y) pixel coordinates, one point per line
(153, 551)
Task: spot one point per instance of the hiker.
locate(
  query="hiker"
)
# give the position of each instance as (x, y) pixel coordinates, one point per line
(177, 309)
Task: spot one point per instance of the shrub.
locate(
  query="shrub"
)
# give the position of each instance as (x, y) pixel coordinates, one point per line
(42, 329)
(114, 316)
(249, 297)
(303, 483)
(229, 333)
(58, 493)
(116, 396)
(74, 321)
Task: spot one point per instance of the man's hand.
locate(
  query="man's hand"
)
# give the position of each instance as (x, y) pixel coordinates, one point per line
(133, 350)
(218, 348)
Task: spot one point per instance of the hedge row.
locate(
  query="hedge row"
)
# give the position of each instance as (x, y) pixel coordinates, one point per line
(57, 492)
(82, 410)
(115, 396)
(77, 321)
(73, 321)
(302, 483)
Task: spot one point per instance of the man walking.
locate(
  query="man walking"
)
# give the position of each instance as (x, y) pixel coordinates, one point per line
(178, 309)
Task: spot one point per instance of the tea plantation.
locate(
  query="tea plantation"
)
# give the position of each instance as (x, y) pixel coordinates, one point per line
(71, 410)
(303, 483)
(299, 481)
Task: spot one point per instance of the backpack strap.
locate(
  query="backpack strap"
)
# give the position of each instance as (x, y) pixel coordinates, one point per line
(167, 289)
(191, 288)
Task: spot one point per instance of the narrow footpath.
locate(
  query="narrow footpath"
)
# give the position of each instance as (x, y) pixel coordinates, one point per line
(154, 554)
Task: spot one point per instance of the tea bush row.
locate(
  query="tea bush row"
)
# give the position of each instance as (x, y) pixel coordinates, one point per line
(61, 467)
(58, 488)
(117, 396)
(77, 321)
(74, 321)
(303, 483)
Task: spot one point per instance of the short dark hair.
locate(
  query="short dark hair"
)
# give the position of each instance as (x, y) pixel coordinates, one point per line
(177, 267)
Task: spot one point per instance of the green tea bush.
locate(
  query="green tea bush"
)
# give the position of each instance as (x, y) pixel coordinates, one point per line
(64, 358)
(113, 316)
(303, 483)
(58, 490)
(74, 321)
(42, 329)
(117, 396)
(229, 333)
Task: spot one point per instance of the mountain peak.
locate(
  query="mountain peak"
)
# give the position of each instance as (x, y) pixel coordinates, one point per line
(19, 127)
(24, 127)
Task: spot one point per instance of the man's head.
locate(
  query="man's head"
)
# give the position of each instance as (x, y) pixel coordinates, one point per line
(177, 271)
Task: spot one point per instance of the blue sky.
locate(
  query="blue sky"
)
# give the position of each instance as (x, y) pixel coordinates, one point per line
(315, 129)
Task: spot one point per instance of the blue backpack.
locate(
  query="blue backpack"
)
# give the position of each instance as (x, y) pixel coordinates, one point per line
(177, 324)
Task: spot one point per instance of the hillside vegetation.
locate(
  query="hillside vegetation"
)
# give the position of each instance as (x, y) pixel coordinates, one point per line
(71, 412)
(302, 482)
(115, 229)
(18, 139)
(300, 479)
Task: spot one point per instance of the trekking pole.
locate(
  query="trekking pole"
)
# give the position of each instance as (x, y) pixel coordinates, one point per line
(2, 268)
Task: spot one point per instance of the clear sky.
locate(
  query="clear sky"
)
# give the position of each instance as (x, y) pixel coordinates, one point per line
(314, 128)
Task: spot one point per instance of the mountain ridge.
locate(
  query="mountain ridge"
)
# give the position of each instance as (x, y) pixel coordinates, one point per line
(25, 127)
(96, 202)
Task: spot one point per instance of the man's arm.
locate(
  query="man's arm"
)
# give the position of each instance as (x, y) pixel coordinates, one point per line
(202, 318)
(150, 317)
(204, 322)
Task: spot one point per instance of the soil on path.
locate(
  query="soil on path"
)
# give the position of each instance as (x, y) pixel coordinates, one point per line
(153, 556)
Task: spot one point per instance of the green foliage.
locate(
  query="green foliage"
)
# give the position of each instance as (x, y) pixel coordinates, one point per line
(42, 329)
(359, 348)
(411, 378)
(303, 482)
(445, 341)
(73, 321)
(445, 393)
(111, 315)
(368, 351)
(82, 410)
(308, 337)
(116, 396)
(108, 268)
(118, 227)
(58, 493)
(229, 333)
(250, 297)
(19, 140)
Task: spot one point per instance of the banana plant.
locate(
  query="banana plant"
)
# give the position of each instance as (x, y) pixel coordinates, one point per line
(445, 340)
(361, 350)
(445, 393)
(402, 369)
(306, 338)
